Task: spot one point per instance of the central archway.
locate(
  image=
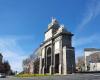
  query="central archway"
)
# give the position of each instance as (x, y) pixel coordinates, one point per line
(48, 59)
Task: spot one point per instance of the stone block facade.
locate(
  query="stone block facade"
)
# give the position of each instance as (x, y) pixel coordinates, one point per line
(57, 54)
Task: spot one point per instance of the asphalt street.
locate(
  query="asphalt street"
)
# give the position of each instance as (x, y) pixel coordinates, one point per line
(67, 77)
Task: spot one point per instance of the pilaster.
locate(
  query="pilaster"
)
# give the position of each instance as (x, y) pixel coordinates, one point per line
(40, 66)
(64, 61)
(60, 57)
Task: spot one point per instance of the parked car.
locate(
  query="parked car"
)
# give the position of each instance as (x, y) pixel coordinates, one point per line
(2, 75)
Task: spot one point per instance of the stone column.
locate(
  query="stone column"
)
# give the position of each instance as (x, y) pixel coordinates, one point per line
(70, 60)
(74, 64)
(43, 70)
(64, 61)
(52, 59)
(60, 57)
(50, 70)
(45, 61)
(54, 64)
(40, 66)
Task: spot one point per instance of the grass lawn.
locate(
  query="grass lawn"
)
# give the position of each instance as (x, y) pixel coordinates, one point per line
(31, 75)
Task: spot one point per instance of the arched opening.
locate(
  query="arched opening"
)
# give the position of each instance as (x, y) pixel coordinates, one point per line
(48, 59)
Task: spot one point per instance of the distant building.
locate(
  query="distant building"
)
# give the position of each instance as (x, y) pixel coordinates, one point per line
(56, 54)
(92, 59)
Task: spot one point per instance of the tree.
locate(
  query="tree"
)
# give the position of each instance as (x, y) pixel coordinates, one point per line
(80, 63)
(7, 67)
(36, 66)
(4, 66)
(95, 57)
(2, 69)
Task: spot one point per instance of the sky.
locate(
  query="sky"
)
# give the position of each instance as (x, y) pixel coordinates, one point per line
(23, 23)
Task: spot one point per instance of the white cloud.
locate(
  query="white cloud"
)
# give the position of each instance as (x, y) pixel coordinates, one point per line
(12, 52)
(92, 11)
(86, 40)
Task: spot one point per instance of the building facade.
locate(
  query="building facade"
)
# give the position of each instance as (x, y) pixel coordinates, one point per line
(92, 59)
(57, 54)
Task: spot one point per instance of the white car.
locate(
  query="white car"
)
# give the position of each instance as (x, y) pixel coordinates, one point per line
(2, 75)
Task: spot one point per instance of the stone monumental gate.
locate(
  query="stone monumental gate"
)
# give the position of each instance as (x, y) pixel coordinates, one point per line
(57, 54)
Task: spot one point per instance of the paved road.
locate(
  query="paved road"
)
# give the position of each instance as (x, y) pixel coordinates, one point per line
(67, 77)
